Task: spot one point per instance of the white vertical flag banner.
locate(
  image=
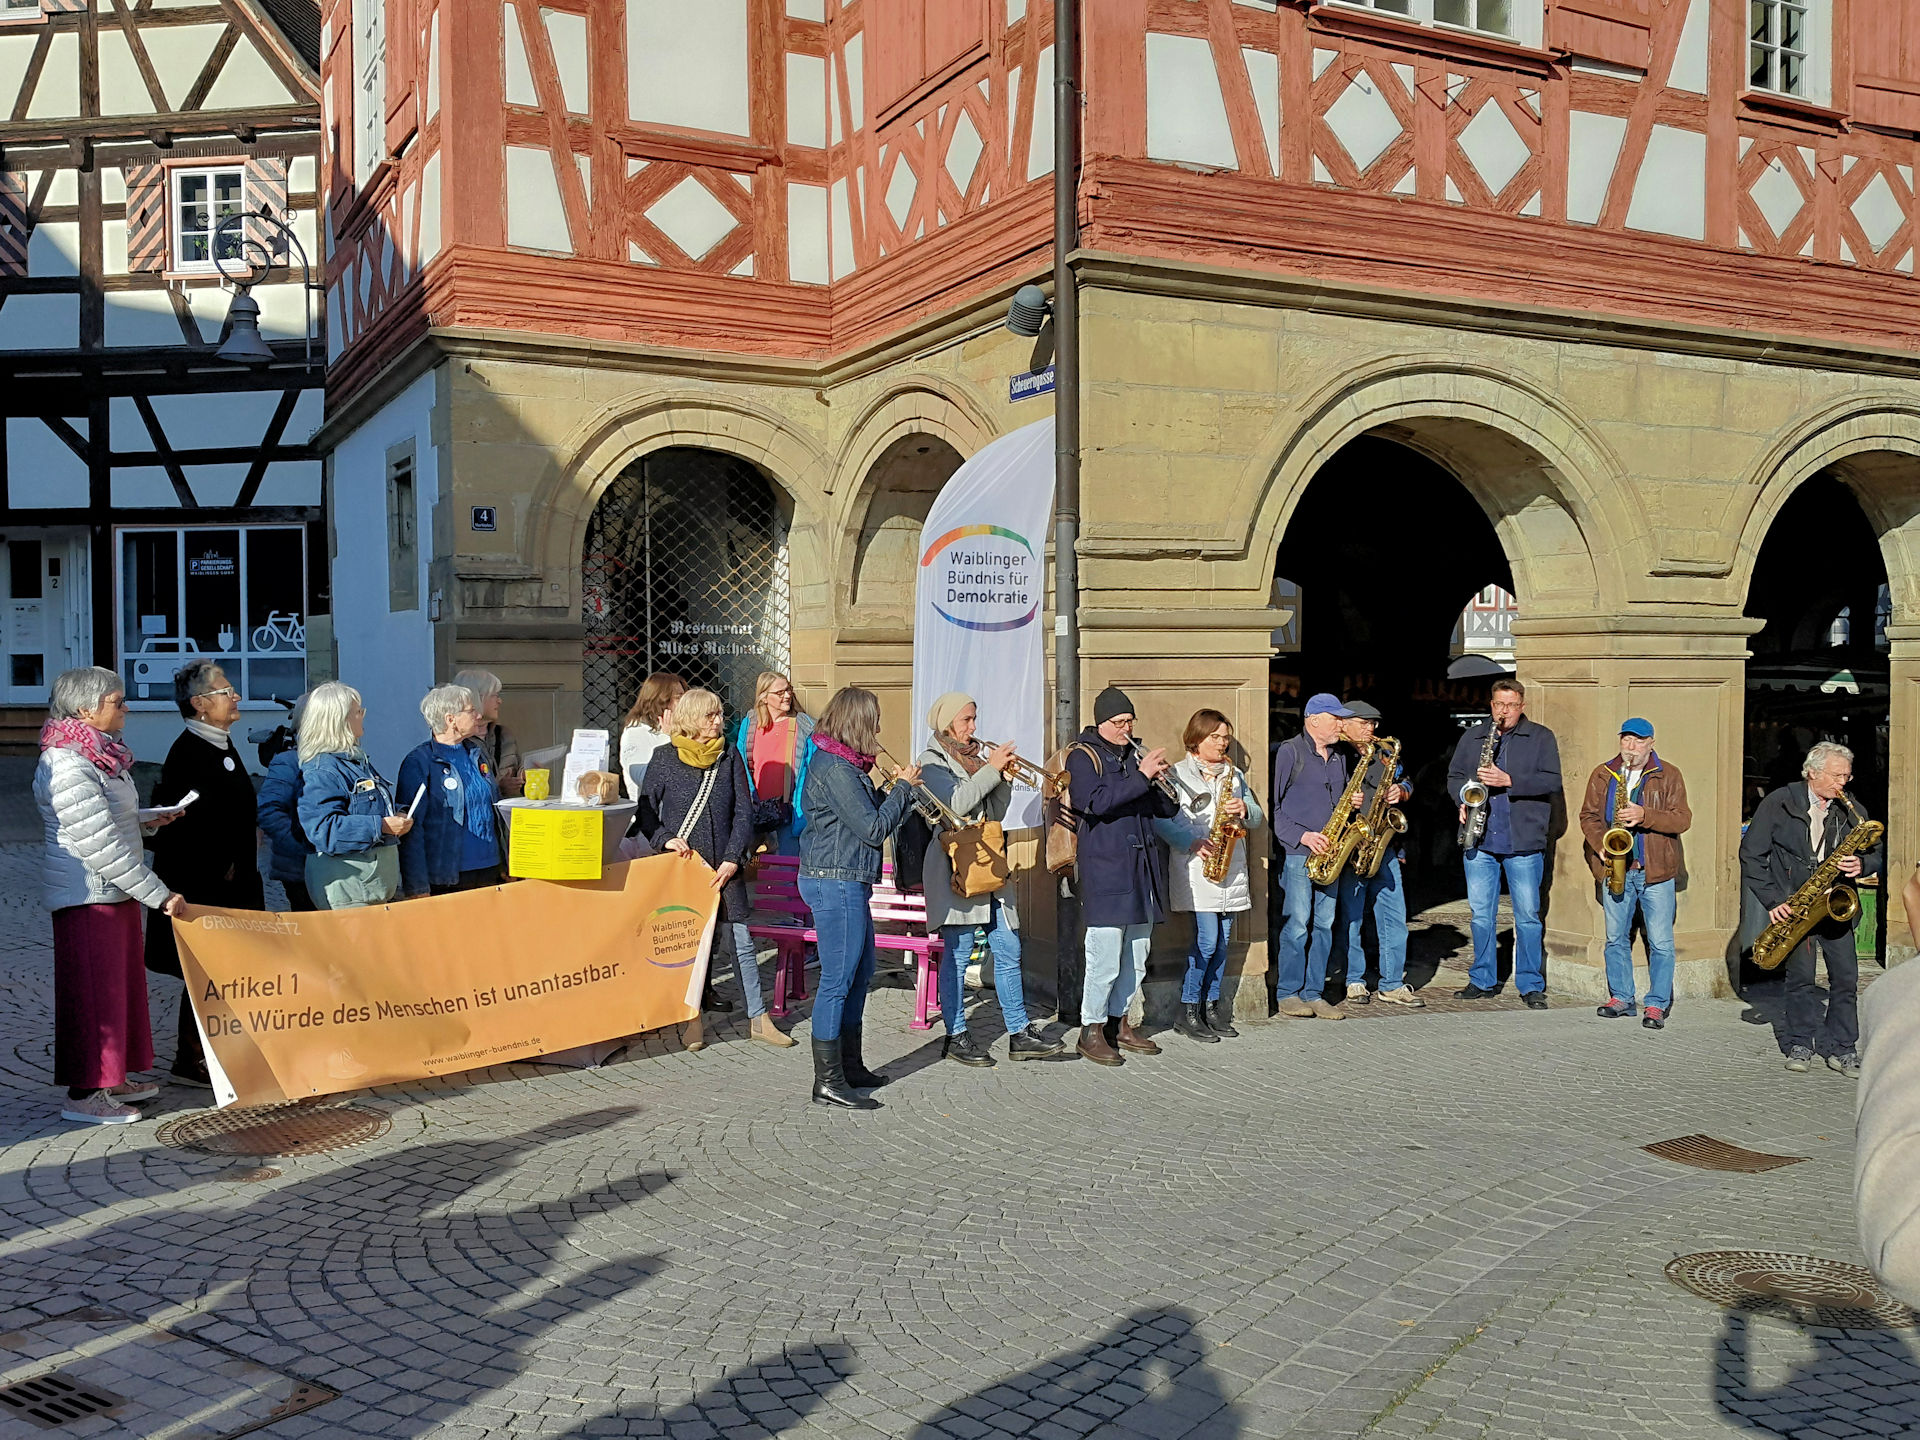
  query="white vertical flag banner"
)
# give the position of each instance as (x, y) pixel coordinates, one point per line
(977, 613)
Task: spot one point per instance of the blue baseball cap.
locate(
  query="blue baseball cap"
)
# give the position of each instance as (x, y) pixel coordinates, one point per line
(1637, 726)
(1325, 704)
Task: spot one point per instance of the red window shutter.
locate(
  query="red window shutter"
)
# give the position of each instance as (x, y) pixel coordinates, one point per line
(266, 189)
(403, 109)
(894, 50)
(1616, 31)
(1886, 64)
(146, 217)
(16, 225)
(956, 33)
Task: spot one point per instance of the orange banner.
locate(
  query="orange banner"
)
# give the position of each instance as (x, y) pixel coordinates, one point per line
(324, 1001)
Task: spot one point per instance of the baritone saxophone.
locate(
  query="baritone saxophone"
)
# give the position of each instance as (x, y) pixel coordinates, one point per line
(1824, 896)
(1384, 821)
(1346, 830)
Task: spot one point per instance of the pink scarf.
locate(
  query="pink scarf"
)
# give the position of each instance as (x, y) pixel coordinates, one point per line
(108, 752)
(853, 757)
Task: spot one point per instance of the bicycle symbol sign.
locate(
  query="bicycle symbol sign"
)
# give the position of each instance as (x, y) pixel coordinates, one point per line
(283, 629)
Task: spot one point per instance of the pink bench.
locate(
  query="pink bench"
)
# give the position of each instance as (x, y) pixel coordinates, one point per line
(899, 919)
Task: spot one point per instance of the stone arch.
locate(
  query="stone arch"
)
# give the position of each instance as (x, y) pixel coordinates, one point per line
(623, 432)
(1531, 464)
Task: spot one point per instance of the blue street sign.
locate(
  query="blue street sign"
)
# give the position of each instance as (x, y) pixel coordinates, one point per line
(1025, 387)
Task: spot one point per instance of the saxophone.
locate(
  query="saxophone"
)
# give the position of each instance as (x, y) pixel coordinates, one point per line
(1474, 794)
(1616, 847)
(1824, 896)
(1346, 828)
(1223, 836)
(1383, 821)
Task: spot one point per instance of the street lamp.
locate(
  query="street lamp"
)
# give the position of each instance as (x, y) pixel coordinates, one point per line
(244, 344)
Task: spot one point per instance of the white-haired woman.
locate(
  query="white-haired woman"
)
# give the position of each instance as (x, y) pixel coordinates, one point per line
(496, 741)
(95, 881)
(346, 806)
(454, 844)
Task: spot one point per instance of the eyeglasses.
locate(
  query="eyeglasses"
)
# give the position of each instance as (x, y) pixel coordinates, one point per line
(223, 690)
(1123, 722)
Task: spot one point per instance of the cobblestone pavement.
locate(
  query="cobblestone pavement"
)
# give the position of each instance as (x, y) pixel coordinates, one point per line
(1438, 1227)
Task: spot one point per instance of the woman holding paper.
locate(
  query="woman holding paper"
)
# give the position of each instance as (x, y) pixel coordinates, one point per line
(454, 843)
(695, 802)
(848, 823)
(211, 854)
(346, 806)
(96, 880)
(772, 739)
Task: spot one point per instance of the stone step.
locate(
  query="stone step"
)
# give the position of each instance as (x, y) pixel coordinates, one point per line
(20, 729)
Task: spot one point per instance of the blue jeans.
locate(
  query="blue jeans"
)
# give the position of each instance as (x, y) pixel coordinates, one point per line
(845, 926)
(1302, 971)
(1116, 961)
(1207, 956)
(746, 964)
(1004, 941)
(1523, 874)
(1656, 905)
(1387, 898)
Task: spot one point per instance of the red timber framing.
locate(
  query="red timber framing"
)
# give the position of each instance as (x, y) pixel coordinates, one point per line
(932, 178)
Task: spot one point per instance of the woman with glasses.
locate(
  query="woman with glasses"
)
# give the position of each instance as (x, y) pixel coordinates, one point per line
(772, 739)
(211, 853)
(346, 806)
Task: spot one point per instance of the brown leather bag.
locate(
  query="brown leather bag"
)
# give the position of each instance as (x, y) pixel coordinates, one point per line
(1058, 815)
(977, 856)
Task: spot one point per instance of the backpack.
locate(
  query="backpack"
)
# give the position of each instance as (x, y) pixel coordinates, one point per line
(1061, 821)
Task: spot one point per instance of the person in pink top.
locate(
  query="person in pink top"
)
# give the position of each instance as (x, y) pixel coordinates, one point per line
(773, 736)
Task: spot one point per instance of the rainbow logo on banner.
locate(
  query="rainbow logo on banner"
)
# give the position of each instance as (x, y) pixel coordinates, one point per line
(669, 930)
(989, 572)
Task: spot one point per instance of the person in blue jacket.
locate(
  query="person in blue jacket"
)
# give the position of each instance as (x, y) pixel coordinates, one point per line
(346, 806)
(454, 844)
(774, 740)
(279, 815)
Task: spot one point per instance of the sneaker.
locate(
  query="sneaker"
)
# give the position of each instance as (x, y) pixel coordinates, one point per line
(1800, 1059)
(1294, 1008)
(1615, 1010)
(1321, 1010)
(1359, 995)
(1654, 1019)
(99, 1108)
(1403, 995)
(134, 1090)
(1847, 1064)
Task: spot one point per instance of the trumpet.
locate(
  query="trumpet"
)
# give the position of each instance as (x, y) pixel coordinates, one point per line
(1163, 782)
(928, 805)
(1025, 773)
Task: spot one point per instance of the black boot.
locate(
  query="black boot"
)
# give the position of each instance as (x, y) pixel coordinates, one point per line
(857, 1073)
(965, 1049)
(1190, 1024)
(712, 1002)
(1110, 1031)
(830, 1080)
(1219, 1019)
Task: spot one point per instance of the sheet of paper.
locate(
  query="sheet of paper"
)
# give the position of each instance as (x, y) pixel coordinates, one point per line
(555, 844)
(588, 753)
(147, 817)
(417, 795)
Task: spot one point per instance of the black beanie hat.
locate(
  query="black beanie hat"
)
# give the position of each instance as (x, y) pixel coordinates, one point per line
(1112, 701)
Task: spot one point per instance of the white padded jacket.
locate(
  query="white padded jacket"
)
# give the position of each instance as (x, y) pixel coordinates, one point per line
(1886, 1155)
(94, 854)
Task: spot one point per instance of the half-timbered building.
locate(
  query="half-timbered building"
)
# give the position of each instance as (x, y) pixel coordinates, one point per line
(655, 326)
(158, 500)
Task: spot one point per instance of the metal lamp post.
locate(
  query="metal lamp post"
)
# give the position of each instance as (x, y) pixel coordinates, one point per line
(244, 344)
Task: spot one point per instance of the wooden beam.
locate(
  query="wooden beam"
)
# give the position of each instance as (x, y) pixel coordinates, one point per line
(276, 427)
(152, 515)
(31, 80)
(140, 57)
(210, 72)
(20, 131)
(167, 458)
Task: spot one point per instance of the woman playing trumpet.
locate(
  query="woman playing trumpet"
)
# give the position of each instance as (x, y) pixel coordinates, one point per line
(1215, 799)
(974, 783)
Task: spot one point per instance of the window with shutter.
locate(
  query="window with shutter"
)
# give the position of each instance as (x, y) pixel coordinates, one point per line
(913, 45)
(146, 217)
(16, 225)
(403, 109)
(1618, 32)
(370, 88)
(201, 199)
(1886, 64)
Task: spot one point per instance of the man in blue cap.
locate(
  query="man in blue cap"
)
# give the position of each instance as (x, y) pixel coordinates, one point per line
(1645, 796)
(1309, 774)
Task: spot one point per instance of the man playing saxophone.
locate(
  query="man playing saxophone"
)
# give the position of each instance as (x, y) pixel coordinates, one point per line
(1795, 829)
(1309, 779)
(1381, 892)
(1633, 816)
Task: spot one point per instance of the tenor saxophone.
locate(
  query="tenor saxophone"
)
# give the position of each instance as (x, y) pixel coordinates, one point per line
(1475, 795)
(1223, 836)
(1383, 821)
(1346, 830)
(1824, 896)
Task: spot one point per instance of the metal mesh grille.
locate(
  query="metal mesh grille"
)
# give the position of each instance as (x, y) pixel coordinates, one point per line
(1706, 1153)
(685, 570)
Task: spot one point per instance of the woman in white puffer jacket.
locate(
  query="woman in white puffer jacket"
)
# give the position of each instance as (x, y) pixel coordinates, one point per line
(96, 880)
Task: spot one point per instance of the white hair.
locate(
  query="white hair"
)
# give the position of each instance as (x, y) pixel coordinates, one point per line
(1823, 754)
(327, 728)
(483, 683)
(75, 692)
(443, 702)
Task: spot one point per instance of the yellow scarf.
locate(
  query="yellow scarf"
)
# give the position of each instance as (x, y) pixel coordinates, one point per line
(700, 754)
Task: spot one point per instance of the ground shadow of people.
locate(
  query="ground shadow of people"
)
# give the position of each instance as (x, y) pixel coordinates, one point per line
(1856, 1382)
(1150, 1367)
(763, 1398)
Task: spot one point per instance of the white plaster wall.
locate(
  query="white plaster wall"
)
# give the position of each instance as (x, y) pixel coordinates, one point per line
(535, 216)
(41, 322)
(1670, 193)
(387, 657)
(42, 472)
(687, 64)
(1690, 60)
(807, 234)
(1593, 145)
(1186, 116)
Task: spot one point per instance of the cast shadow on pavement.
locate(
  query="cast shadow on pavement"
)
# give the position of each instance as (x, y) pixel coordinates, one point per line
(764, 1398)
(1855, 1382)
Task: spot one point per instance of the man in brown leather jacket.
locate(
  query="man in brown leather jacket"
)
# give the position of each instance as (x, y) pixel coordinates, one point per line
(1646, 796)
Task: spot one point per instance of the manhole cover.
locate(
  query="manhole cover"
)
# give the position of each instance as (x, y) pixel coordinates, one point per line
(55, 1401)
(249, 1174)
(1703, 1152)
(262, 1130)
(1804, 1288)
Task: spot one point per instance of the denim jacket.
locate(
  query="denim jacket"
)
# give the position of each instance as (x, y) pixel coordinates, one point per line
(430, 852)
(279, 816)
(847, 822)
(343, 799)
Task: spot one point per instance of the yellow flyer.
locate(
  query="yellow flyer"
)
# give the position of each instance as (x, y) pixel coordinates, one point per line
(557, 844)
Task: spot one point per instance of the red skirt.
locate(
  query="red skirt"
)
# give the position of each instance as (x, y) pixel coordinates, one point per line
(101, 1033)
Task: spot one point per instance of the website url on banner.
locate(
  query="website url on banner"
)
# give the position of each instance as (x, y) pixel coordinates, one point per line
(466, 1055)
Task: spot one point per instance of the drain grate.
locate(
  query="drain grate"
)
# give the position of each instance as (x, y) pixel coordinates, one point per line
(1703, 1152)
(275, 1130)
(54, 1401)
(1803, 1288)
